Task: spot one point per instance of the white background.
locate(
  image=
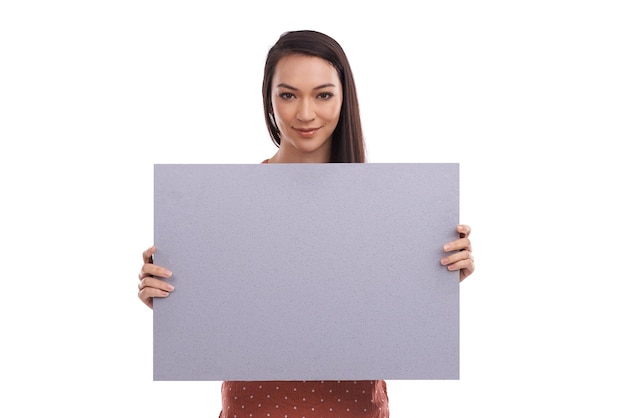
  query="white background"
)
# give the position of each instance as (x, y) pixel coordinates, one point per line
(530, 98)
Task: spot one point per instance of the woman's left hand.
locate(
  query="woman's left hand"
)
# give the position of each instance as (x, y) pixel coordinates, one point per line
(461, 259)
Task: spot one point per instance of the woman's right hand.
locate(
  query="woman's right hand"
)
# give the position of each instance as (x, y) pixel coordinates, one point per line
(149, 284)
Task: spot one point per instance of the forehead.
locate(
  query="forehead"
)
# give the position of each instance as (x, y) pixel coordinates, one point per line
(304, 71)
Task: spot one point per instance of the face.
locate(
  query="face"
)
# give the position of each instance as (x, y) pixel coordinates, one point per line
(306, 103)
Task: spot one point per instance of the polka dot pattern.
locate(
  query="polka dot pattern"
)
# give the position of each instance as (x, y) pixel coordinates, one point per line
(310, 399)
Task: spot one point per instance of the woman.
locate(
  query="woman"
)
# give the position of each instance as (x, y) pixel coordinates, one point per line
(312, 114)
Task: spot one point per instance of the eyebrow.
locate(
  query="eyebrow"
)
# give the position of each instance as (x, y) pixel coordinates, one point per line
(323, 86)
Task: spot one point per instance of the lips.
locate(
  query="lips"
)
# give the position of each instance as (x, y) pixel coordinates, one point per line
(306, 132)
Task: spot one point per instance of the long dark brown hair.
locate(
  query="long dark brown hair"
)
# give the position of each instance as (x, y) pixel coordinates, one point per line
(347, 140)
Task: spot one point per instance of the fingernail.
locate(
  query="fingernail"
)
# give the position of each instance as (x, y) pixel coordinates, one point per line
(169, 287)
(163, 293)
(444, 261)
(168, 273)
(446, 247)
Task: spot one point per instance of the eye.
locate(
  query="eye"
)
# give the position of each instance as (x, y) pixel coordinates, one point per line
(286, 96)
(325, 96)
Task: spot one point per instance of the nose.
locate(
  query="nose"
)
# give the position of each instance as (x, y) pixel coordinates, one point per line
(306, 111)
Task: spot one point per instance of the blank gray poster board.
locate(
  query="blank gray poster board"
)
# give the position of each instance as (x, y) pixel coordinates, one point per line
(306, 271)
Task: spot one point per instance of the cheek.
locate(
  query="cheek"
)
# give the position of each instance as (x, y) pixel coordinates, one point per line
(336, 112)
(337, 106)
(281, 113)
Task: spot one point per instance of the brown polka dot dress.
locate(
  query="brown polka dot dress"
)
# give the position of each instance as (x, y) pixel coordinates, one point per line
(310, 399)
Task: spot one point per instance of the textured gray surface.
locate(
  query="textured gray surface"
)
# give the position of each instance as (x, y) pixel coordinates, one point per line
(306, 272)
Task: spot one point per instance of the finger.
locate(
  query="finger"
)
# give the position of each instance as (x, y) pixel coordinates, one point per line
(146, 295)
(464, 230)
(459, 244)
(155, 283)
(147, 255)
(466, 263)
(153, 270)
(456, 257)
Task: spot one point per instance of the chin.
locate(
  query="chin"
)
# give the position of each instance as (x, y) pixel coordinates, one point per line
(310, 149)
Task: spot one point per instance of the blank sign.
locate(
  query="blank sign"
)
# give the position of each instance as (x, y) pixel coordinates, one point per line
(306, 272)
